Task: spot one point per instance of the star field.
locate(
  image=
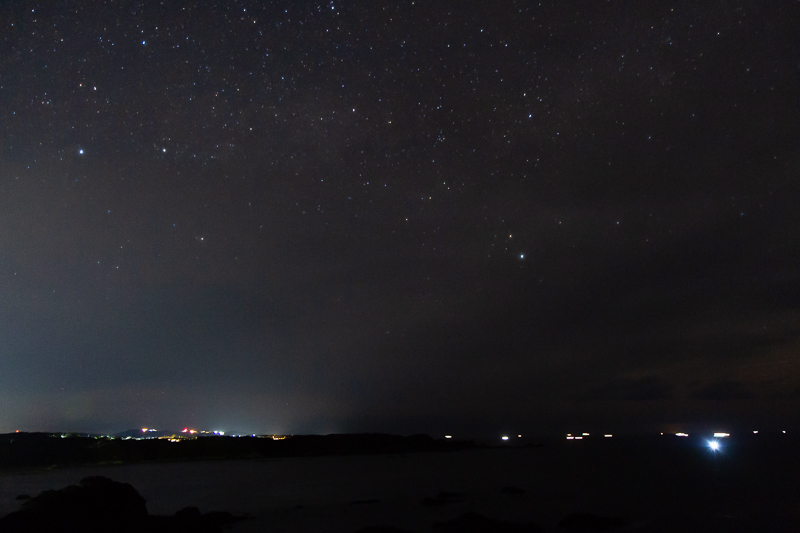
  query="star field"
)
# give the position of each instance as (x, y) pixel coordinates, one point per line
(403, 216)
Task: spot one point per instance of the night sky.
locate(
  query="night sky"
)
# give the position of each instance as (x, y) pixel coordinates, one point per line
(445, 217)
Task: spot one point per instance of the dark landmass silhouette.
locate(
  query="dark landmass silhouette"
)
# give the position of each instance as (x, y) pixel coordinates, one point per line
(98, 504)
(26, 450)
(590, 522)
(478, 523)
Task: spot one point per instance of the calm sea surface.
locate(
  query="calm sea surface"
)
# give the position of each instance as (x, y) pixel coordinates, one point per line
(654, 488)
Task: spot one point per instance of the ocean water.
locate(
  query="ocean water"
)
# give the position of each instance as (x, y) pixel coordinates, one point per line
(653, 487)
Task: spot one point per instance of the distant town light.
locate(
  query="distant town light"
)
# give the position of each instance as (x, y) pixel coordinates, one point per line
(721, 435)
(783, 431)
(578, 438)
(755, 432)
(681, 434)
(570, 437)
(585, 434)
(608, 435)
(448, 436)
(519, 436)
(144, 430)
(504, 437)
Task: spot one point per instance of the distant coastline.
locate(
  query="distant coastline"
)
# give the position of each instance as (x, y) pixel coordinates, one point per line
(45, 450)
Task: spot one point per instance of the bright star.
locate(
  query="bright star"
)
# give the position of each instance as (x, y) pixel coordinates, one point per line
(713, 444)
(80, 151)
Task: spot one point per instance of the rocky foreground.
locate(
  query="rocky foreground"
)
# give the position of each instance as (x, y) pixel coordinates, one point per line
(98, 503)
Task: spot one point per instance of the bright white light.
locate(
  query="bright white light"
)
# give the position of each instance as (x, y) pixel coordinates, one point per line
(721, 435)
(755, 432)
(578, 438)
(448, 436)
(519, 436)
(713, 444)
(608, 435)
(505, 438)
(784, 432)
(144, 430)
(681, 434)
(585, 434)
(570, 438)
(80, 151)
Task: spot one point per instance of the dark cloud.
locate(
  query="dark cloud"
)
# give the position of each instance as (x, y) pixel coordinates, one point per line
(644, 389)
(722, 391)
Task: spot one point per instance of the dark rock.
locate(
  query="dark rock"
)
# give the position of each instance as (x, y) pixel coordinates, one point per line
(23, 497)
(363, 502)
(189, 514)
(91, 505)
(221, 518)
(98, 504)
(477, 523)
(380, 529)
(512, 490)
(443, 498)
(452, 495)
(590, 522)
